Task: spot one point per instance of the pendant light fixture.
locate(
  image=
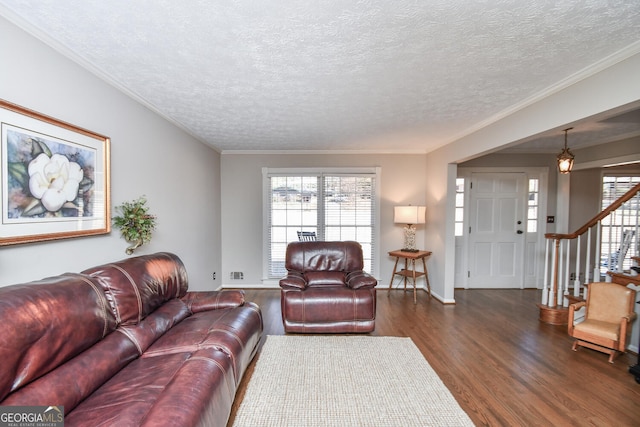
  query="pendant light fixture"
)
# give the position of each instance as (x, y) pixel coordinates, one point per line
(565, 159)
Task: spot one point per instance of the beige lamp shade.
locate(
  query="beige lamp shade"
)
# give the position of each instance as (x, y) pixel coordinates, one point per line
(409, 214)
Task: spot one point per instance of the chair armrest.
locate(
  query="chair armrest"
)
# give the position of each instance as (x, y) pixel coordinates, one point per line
(572, 309)
(293, 279)
(578, 305)
(360, 279)
(625, 330)
(213, 300)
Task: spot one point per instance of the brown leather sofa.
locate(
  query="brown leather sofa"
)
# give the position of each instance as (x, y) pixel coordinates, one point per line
(326, 289)
(126, 344)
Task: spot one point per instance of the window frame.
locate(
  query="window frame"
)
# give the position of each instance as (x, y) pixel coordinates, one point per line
(374, 172)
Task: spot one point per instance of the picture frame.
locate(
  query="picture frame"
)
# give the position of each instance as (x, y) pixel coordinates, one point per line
(54, 178)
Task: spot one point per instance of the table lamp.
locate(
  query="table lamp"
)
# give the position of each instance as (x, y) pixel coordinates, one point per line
(409, 215)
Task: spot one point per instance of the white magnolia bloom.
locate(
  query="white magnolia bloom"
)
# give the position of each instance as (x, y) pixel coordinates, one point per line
(54, 180)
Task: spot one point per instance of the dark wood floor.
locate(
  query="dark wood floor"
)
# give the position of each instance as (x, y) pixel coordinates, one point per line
(503, 366)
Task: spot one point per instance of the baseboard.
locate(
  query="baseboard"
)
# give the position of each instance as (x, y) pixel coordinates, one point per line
(379, 288)
(249, 286)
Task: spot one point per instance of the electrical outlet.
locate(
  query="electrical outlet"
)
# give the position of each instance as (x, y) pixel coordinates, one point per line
(214, 275)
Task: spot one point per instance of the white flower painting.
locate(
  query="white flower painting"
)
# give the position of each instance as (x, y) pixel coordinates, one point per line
(48, 178)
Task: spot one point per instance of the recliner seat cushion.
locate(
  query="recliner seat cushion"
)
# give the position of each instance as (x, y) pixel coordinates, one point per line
(235, 331)
(318, 305)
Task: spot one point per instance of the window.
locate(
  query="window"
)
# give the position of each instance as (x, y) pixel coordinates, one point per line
(459, 219)
(621, 225)
(336, 204)
(533, 205)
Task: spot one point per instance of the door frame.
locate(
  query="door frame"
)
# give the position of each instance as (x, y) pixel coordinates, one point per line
(534, 242)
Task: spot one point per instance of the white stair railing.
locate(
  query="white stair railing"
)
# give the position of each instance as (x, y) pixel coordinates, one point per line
(559, 273)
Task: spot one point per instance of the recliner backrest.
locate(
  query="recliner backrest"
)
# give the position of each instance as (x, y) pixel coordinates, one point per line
(342, 256)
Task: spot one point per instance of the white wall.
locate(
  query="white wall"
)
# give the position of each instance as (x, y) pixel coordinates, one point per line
(149, 156)
(403, 180)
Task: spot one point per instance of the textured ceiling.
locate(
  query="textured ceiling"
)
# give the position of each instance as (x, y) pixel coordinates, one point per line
(332, 74)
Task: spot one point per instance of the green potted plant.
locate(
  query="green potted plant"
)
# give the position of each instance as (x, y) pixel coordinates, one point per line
(135, 223)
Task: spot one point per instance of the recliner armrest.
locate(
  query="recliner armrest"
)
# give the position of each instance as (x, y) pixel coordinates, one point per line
(293, 279)
(197, 301)
(360, 279)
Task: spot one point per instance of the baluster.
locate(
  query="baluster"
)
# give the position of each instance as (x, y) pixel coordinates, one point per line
(596, 261)
(565, 292)
(545, 284)
(612, 220)
(636, 247)
(554, 273)
(560, 276)
(564, 274)
(576, 280)
(621, 251)
(587, 267)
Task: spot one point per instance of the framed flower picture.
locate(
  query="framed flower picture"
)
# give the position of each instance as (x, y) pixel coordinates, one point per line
(54, 178)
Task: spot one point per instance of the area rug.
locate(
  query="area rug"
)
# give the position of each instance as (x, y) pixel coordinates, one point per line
(323, 381)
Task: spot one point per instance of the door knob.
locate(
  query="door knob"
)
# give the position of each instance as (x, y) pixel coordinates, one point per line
(519, 231)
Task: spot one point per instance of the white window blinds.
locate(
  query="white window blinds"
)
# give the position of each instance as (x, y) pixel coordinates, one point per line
(335, 205)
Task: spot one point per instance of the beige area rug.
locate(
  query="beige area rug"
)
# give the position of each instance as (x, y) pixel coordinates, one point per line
(305, 381)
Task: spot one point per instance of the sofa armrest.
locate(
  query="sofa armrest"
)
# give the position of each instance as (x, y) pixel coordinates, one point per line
(197, 301)
(293, 279)
(360, 279)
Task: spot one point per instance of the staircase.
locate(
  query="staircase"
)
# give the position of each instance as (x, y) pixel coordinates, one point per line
(573, 260)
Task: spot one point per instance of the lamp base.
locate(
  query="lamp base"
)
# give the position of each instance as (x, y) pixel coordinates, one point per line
(410, 250)
(410, 239)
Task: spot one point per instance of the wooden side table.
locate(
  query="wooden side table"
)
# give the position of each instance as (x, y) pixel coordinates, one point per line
(409, 270)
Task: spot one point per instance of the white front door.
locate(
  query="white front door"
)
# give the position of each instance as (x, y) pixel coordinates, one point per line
(497, 230)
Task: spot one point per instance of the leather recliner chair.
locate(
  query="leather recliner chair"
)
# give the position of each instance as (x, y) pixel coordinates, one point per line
(326, 289)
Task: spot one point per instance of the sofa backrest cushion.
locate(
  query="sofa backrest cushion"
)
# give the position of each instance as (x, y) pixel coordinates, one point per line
(324, 256)
(137, 286)
(46, 323)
